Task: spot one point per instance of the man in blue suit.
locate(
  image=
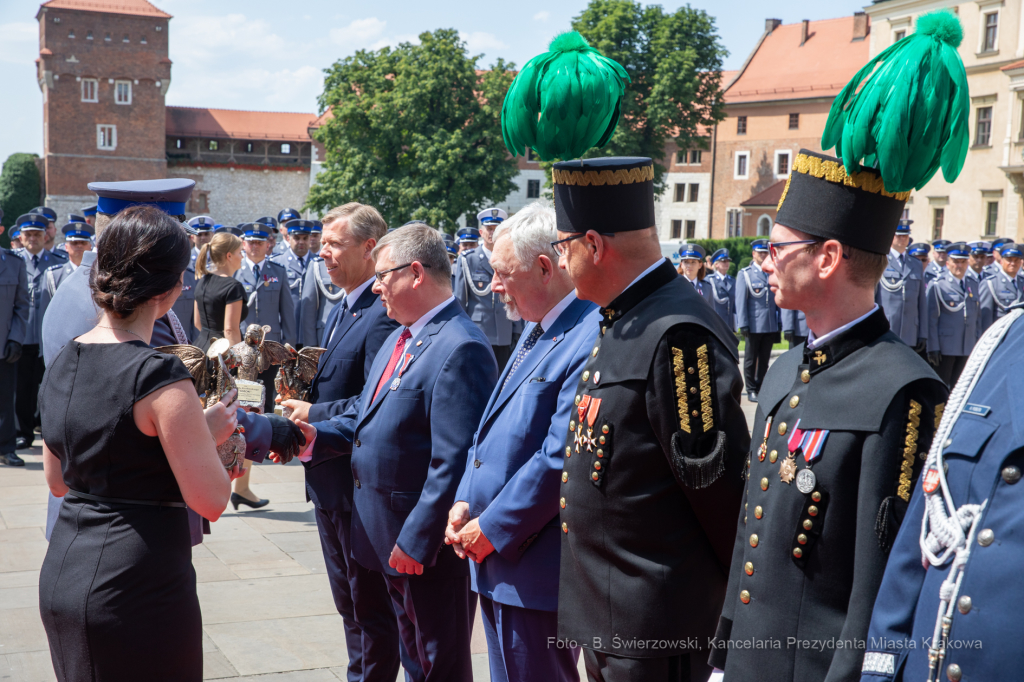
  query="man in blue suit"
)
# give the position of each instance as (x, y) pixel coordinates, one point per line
(409, 433)
(355, 330)
(510, 490)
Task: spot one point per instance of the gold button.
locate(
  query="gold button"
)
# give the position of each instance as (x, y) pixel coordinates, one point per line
(568, 451)
(603, 329)
(745, 597)
(601, 440)
(605, 429)
(805, 376)
(597, 466)
(599, 453)
(695, 413)
(586, 374)
(562, 502)
(594, 476)
(816, 496)
(808, 524)
(565, 528)
(802, 539)
(797, 552)
(782, 429)
(693, 390)
(572, 425)
(577, 400)
(753, 540)
(758, 512)
(593, 353)
(812, 510)
(689, 370)
(773, 455)
(794, 401)
(565, 477)
(749, 568)
(764, 484)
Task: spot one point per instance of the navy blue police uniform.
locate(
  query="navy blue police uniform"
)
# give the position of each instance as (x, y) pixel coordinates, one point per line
(757, 317)
(953, 317)
(723, 289)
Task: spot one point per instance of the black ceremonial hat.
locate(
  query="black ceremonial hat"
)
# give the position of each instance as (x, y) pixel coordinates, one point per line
(609, 194)
(822, 200)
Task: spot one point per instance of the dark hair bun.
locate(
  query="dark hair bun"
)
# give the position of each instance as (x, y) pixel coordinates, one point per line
(139, 256)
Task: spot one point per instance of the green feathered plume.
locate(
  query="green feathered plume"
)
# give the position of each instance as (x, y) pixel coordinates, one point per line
(564, 101)
(910, 115)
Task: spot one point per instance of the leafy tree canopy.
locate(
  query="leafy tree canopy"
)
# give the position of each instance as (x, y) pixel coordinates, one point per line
(19, 189)
(415, 132)
(674, 61)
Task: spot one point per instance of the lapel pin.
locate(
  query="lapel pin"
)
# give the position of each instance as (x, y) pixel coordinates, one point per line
(419, 343)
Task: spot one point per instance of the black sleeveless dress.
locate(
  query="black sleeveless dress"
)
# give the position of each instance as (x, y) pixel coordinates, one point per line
(213, 293)
(117, 591)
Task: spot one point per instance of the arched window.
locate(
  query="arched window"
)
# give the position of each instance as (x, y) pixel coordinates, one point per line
(764, 226)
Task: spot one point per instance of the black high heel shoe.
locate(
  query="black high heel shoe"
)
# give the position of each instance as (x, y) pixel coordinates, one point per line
(237, 499)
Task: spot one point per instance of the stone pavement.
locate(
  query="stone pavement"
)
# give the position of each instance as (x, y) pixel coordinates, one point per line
(268, 614)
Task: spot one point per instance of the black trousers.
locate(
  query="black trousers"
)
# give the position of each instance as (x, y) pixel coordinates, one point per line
(361, 597)
(502, 354)
(8, 432)
(268, 382)
(30, 375)
(603, 667)
(950, 368)
(756, 356)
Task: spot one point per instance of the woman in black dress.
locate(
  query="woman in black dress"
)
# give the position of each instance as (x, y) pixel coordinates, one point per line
(220, 308)
(128, 446)
(220, 298)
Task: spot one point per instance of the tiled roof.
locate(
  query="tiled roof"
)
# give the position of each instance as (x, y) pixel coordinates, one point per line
(768, 197)
(783, 69)
(137, 7)
(229, 123)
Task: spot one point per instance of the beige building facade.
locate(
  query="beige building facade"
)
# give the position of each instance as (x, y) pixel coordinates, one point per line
(985, 201)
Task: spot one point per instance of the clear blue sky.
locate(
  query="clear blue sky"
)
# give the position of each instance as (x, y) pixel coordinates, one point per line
(269, 55)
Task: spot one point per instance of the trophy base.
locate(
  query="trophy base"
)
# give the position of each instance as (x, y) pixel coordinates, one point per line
(251, 394)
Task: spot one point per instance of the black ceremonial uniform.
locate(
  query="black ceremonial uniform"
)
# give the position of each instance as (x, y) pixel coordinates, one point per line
(810, 552)
(651, 483)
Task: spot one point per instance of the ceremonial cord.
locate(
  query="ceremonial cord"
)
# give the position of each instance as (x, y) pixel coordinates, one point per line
(333, 298)
(947, 530)
(471, 285)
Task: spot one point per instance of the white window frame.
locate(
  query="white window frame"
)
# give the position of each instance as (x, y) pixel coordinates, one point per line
(985, 14)
(286, 148)
(117, 92)
(106, 132)
(789, 165)
(757, 225)
(736, 166)
(95, 89)
(736, 229)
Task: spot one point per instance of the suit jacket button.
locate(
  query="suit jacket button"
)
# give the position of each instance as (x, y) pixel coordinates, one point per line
(358, 444)
(964, 604)
(358, 485)
(565, 477)
(1011, 474)
(562, 502)
(749, 568)
(565, 527)
(753, 540)
(986, 537)
(476, 463)
(794, 401)
(745, 597)
(954, 673)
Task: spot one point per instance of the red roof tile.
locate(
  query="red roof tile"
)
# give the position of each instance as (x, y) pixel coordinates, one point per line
(768, 197)
(783, 69)
(229, 123)
(136, 7)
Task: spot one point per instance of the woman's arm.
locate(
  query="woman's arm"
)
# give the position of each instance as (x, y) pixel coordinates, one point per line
(173, 414)
(232, 322)
(195, 316)
(53, 473)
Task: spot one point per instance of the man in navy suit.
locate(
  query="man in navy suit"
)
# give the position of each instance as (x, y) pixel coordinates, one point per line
(409, 433)
(506, 517)
(355, 330)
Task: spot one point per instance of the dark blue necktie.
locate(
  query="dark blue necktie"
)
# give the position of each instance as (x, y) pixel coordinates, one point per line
(528, 344)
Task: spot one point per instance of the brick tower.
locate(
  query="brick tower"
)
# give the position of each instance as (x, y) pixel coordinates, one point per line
(104, 71)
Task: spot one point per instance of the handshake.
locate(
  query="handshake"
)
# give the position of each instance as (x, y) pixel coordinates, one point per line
(465, 535)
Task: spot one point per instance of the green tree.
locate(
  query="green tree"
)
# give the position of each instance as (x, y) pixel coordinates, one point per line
(415, 132)
(19, 189)
(674, 61)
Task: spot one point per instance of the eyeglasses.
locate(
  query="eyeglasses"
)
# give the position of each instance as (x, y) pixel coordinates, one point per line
(773, 247)
(380, 275)
(561, 247)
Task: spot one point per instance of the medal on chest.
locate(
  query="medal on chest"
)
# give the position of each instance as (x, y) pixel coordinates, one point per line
(810, 443)
(763, 450)
(587, 412)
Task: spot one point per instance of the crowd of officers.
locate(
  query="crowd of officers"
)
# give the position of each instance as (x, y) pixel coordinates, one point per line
(939, 298)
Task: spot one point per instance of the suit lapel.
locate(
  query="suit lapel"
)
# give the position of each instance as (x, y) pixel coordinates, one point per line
(409, 354)
(354, 313)
(545, 344)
